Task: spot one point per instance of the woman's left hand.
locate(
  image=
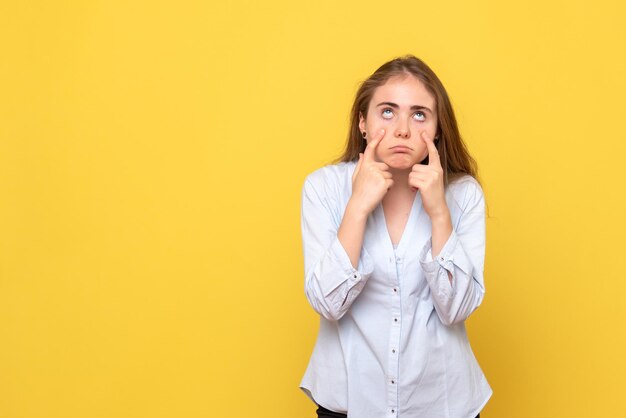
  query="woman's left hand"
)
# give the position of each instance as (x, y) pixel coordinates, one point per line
(428, 179)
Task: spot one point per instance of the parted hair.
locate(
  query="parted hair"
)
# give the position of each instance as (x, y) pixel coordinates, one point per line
(456, 160)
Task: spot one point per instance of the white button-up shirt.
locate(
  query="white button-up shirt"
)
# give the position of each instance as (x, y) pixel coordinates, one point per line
(392, 339)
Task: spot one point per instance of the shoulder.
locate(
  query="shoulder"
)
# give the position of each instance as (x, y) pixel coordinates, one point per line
(465, 191)
(331, 178)
(328, 187)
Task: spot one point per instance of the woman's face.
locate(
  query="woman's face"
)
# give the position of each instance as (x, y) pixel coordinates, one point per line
(404, 108)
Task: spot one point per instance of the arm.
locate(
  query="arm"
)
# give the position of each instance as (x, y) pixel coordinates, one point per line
(351, 231)
(331, 281)
(455, 276)
(441, 230)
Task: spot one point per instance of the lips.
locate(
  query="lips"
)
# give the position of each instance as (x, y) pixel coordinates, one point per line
(401, 148)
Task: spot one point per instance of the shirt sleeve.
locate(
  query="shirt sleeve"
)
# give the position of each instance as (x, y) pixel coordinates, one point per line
(331, 282)
(463, 255)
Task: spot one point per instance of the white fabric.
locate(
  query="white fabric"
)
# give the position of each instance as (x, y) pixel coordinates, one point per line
(392, 339)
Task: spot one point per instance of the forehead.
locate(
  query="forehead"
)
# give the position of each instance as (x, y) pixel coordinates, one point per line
(405, 91)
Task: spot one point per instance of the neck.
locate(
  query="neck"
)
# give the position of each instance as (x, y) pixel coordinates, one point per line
(400, 182)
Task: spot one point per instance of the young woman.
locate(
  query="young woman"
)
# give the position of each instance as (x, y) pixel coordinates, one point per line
(394, 244)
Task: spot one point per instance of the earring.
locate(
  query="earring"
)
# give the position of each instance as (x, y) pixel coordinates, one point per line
(364, 134)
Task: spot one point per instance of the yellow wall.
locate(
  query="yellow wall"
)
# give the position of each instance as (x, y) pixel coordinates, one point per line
(152, 156)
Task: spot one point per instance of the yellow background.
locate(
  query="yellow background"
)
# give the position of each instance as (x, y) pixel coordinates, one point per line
(152, 156)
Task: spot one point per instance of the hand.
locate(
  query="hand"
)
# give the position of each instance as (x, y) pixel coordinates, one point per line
(371, 179)
(428, 179)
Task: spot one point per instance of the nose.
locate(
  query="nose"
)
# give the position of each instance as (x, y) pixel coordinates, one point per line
(402, 130)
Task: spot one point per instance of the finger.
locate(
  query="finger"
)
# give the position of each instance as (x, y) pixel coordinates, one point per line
(433, 154)
(381, 166)
(418, 176)
(420, 168)
(389, 183)
(416, 184)
(370, 150)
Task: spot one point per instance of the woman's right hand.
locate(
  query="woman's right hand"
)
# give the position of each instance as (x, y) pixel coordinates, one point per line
(371, 179)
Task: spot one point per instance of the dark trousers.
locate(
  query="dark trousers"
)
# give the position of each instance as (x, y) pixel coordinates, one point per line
(325, 413)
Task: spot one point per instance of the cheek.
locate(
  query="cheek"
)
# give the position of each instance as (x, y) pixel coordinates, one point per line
(381, 124)
(420, 146)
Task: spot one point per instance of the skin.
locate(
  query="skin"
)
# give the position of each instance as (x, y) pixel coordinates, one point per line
(391, 175)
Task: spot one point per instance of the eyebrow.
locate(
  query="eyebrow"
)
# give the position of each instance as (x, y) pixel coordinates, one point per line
(395, 106)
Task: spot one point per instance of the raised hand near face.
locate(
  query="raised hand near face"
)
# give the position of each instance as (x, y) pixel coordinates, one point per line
(371, 179)
(428, 179)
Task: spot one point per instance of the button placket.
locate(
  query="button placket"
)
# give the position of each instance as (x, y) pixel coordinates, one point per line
(394, 341)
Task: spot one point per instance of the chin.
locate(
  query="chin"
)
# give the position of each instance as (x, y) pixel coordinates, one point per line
(400, 161)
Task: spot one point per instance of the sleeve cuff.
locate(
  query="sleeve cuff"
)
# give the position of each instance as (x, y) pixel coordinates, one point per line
(345, 270)
(451, 254)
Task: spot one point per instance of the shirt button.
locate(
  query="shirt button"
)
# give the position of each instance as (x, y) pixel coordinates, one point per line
(393, 382)
(398, 259)
(395, 289)
(393, 411)
(395, 319)
(355, 276)
(393, 350)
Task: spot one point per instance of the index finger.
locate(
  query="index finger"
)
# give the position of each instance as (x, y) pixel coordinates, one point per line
(370, 149)
(433, 154)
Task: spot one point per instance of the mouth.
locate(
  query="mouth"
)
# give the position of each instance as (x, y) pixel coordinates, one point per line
(401, 148)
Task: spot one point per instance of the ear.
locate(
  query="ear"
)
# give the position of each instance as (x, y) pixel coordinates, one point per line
(361, 122)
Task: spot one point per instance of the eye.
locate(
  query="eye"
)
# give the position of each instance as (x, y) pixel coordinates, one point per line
(421, 116)
(386, 110)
